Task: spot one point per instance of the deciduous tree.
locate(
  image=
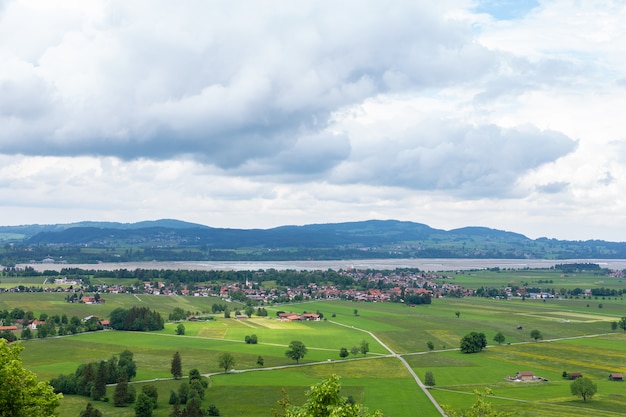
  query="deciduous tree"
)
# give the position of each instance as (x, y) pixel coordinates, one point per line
(584, 387)
(20, 393)
(499, 338)
(296, 351)
(473, 342)
(226, 361)
(324, 400)
(536, 334)
(481, 408)
(364, 347)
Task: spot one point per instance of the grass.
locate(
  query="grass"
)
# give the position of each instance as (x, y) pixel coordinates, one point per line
(379, 382)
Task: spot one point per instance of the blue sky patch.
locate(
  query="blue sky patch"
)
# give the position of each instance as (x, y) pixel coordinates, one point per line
(506, 9)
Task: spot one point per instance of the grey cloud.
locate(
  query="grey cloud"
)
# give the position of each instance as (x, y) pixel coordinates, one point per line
(473, 161)
(553, 187)
(230, 83)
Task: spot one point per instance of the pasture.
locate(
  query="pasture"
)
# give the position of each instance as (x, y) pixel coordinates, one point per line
(577, 337)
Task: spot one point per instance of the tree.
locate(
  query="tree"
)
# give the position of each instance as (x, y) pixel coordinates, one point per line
(26, 334)
(429, 379)
(121, 395)
(180, 329)
(324, 400)
(613, 325)
(536, 334)
(296, 351)
(173, 398)
(100, 384)
(90, 411)
(226, 361)
(430, 345)
(343, 353)
(473, 342)
(177, 366)
(152, 392)
(144, 405)
(354, 350)
(622, 324)
(584, 387)
(458, 314)
(499, 338)
(481, 408)
(213, 410)
(260, 361)
(364, 347)
(20, 393)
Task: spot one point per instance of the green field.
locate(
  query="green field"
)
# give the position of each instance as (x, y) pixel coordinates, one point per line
(577, 337)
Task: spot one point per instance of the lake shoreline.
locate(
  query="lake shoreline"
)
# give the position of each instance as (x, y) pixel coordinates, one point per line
(423, 264)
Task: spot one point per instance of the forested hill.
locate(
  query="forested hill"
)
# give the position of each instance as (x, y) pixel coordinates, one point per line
(177, 240)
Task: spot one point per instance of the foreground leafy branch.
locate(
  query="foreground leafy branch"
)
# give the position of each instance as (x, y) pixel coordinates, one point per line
(323, 400)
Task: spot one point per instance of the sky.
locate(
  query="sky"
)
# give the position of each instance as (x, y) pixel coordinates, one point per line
(506, 114)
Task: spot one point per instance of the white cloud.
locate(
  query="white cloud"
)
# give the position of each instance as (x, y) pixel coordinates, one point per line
(256, 114)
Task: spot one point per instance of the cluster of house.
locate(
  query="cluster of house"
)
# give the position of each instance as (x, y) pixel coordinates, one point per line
(527, 376)
(299, 317)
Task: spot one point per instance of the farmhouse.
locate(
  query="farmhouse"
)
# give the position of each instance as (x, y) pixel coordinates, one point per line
(525, 376)
(616, 377)
(9, 328)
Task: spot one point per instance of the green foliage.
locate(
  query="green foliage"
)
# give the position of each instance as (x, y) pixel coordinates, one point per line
(152, 392)
(124, 394)
(260, 361)
(296, 351)
(144, 405)
(90, 411)
(178, 314)
(136, 319)
(176, 368)
(213, 410)
(20, 393)
(180, 329)
(499, 338)
(324, 400)
(481, 408)
(430, 345)
(90, 379)
(364, 347)
(536, 334)
(473, 342)
(343, 353)
(99, 388)
(226, 361)
(429, 379)
(583, 387)
(251, 340)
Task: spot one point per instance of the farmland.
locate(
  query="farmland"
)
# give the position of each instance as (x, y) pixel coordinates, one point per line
(577, 337)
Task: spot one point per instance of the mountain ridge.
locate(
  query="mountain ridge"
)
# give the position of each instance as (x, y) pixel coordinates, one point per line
(170, 239)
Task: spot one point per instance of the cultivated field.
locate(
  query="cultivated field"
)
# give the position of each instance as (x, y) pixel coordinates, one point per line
(577, 337)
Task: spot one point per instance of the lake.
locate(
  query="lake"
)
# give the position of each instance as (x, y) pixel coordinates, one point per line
(425, 264)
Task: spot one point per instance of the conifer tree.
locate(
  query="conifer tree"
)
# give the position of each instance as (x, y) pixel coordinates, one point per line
(177, 367)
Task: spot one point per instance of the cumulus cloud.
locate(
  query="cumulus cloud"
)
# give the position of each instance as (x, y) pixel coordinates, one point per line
(553, 187)
(226, 83)
(468, 160)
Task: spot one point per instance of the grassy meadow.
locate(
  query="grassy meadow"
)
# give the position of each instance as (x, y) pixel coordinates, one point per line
(577, 337)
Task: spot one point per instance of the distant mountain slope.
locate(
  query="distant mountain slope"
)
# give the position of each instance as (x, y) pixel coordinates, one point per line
(32, 229)
(176, 240)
